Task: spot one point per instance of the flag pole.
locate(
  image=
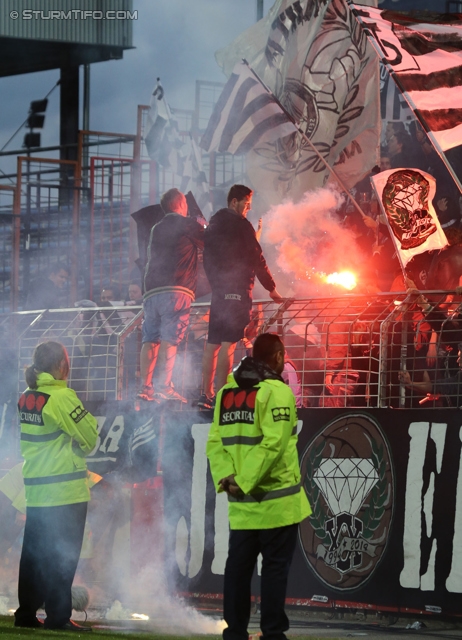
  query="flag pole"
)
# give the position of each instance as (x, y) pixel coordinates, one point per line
(305, 137)
(397, 81)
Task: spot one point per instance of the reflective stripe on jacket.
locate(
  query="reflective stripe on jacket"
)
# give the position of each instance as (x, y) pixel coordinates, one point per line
(56, 435)
(254, 437)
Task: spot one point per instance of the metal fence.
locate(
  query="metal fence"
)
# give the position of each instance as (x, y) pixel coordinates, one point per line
(39, 225)
(340, 352)
(78, 213)
(9, 231)
(110, 249)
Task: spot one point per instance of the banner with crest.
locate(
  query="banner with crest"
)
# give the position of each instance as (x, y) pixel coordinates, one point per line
(385, 490)
(405, 196)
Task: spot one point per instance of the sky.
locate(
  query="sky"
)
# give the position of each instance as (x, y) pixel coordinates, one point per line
(173, 39)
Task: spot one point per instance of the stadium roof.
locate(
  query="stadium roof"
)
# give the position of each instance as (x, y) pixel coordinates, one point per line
(65, 33)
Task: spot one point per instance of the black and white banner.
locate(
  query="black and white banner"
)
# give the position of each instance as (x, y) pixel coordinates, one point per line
(386, 492)
(406, 199)
(385, 486)
(128, 440)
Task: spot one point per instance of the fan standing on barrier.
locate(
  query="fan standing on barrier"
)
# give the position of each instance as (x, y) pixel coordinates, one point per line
(56, 435)
(232, 259)
(252, 449)
(170, 284)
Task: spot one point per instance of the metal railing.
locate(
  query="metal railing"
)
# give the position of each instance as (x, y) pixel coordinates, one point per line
(341, 352)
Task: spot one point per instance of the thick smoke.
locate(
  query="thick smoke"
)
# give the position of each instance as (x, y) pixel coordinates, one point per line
(311, 239)
(147, 594)
(167, 614)
(4, 606)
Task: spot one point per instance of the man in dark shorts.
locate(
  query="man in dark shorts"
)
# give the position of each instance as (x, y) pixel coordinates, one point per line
(232, 259)
(170, 284)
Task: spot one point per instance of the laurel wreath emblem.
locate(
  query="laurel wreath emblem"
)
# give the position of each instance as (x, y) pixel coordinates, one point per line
(318, 517)
(375, 508)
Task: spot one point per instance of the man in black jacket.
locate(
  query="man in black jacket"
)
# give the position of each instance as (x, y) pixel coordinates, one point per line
(232, 259)
(169, 284)
(145, 219)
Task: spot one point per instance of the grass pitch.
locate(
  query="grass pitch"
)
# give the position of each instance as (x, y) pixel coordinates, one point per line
(9, 632)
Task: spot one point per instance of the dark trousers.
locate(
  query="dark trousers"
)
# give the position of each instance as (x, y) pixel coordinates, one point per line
(277, 548)
(50, 553)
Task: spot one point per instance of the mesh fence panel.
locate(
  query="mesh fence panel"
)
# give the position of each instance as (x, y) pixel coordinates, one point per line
(340, 352)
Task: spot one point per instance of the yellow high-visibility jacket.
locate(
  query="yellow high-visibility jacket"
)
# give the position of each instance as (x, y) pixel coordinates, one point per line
(56, 435)
(253, 436)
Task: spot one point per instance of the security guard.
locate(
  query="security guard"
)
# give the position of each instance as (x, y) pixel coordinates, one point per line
(252, 449)
(56, 435)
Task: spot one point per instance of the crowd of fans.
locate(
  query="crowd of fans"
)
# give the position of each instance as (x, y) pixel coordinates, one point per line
(336, 361)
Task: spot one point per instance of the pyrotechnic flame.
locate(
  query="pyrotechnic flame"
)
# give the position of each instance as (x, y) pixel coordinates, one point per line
(344, 279)
(140, 616)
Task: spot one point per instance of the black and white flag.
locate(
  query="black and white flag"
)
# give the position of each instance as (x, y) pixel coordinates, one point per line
(406, 196)
(426, 60)
(323, 71)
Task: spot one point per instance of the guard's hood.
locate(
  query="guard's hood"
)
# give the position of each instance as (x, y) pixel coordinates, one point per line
(249, 372)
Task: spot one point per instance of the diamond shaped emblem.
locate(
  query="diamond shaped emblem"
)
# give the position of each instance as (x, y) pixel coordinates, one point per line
(345, 482)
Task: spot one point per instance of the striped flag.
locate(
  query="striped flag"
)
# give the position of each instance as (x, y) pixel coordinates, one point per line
(406, 196)
(245, 114)
(426, 59)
